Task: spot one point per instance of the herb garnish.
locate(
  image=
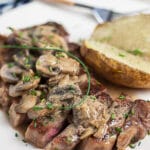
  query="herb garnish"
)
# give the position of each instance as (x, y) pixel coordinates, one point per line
(49, 105)
(50, 69)
(113, 116)
(16, 135)
(132, 146)
(122, 97)
(14, 75)
(70, 55)
(35, 123)
(126, 115)
(136, 52)
(27, 62)
(33, 92)
(93, 97)
(11, 29)
(10, 65)
(71, 89)
(121, 55)
(59, 54)
(119, 130)
(26, 78)
(37, 108)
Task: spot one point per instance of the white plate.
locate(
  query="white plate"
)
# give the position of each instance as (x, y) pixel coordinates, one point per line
(79, 24)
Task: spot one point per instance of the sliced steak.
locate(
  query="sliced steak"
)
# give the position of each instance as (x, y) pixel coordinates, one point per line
(88, 117)
(136, 126)
(43, 129)
(66, 140)
(113, 127)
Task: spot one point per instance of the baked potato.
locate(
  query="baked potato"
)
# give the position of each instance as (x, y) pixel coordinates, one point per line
(120, 51)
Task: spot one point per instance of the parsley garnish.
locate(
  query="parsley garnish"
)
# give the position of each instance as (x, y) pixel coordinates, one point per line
(35, 123)
(36, 77)
(10, 65)
(59, 54)
(14, 75)
(121, 55)
(126, 115)
(49, 105)
(93, 97)
(122, 97)
(33, 92)
(136, 52)
(113, 116)
(132, 146)
(37, 108)
(26, 78)
(119, 130)
(71, 89)
(16, 135)
(50, 69)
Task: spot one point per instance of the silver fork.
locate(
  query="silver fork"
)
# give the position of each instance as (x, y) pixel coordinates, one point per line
(100, 14)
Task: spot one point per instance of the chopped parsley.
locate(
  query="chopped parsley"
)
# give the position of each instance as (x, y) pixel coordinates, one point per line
(93, 97)
(119, 130)
(50, 69)
(68, 140)
(59, 54)
(49, 105)
(10, 65)
(16, 135)
(132, 146)
(33, 92)
(121, 55)
(36, 77)
(71, 89)
(113, 116)
(37, 108)
(20, 34)
(27, 62)
(136, 52)
(43, 95)
(26, 78)
(11, 29)
(126, 115)
(122, 97)
(14, 75)
(35, 123)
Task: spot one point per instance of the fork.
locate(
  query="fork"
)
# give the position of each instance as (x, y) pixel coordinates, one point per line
(100, 14)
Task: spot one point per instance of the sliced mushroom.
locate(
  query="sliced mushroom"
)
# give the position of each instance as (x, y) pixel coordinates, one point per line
(91, 114)
(23, 59)
(53, 81)
(47, 65)
(26, 103)
(16, 119)
(51, 39)
(50, 65)
(29, 81)
(9, 73)
(60, 93)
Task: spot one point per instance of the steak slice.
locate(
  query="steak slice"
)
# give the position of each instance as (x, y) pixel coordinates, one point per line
(136, 126)
(117, 118)
(43, 129)
(87, 118)
(66, 140)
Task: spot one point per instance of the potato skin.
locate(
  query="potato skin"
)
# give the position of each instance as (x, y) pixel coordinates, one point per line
(114, 71)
